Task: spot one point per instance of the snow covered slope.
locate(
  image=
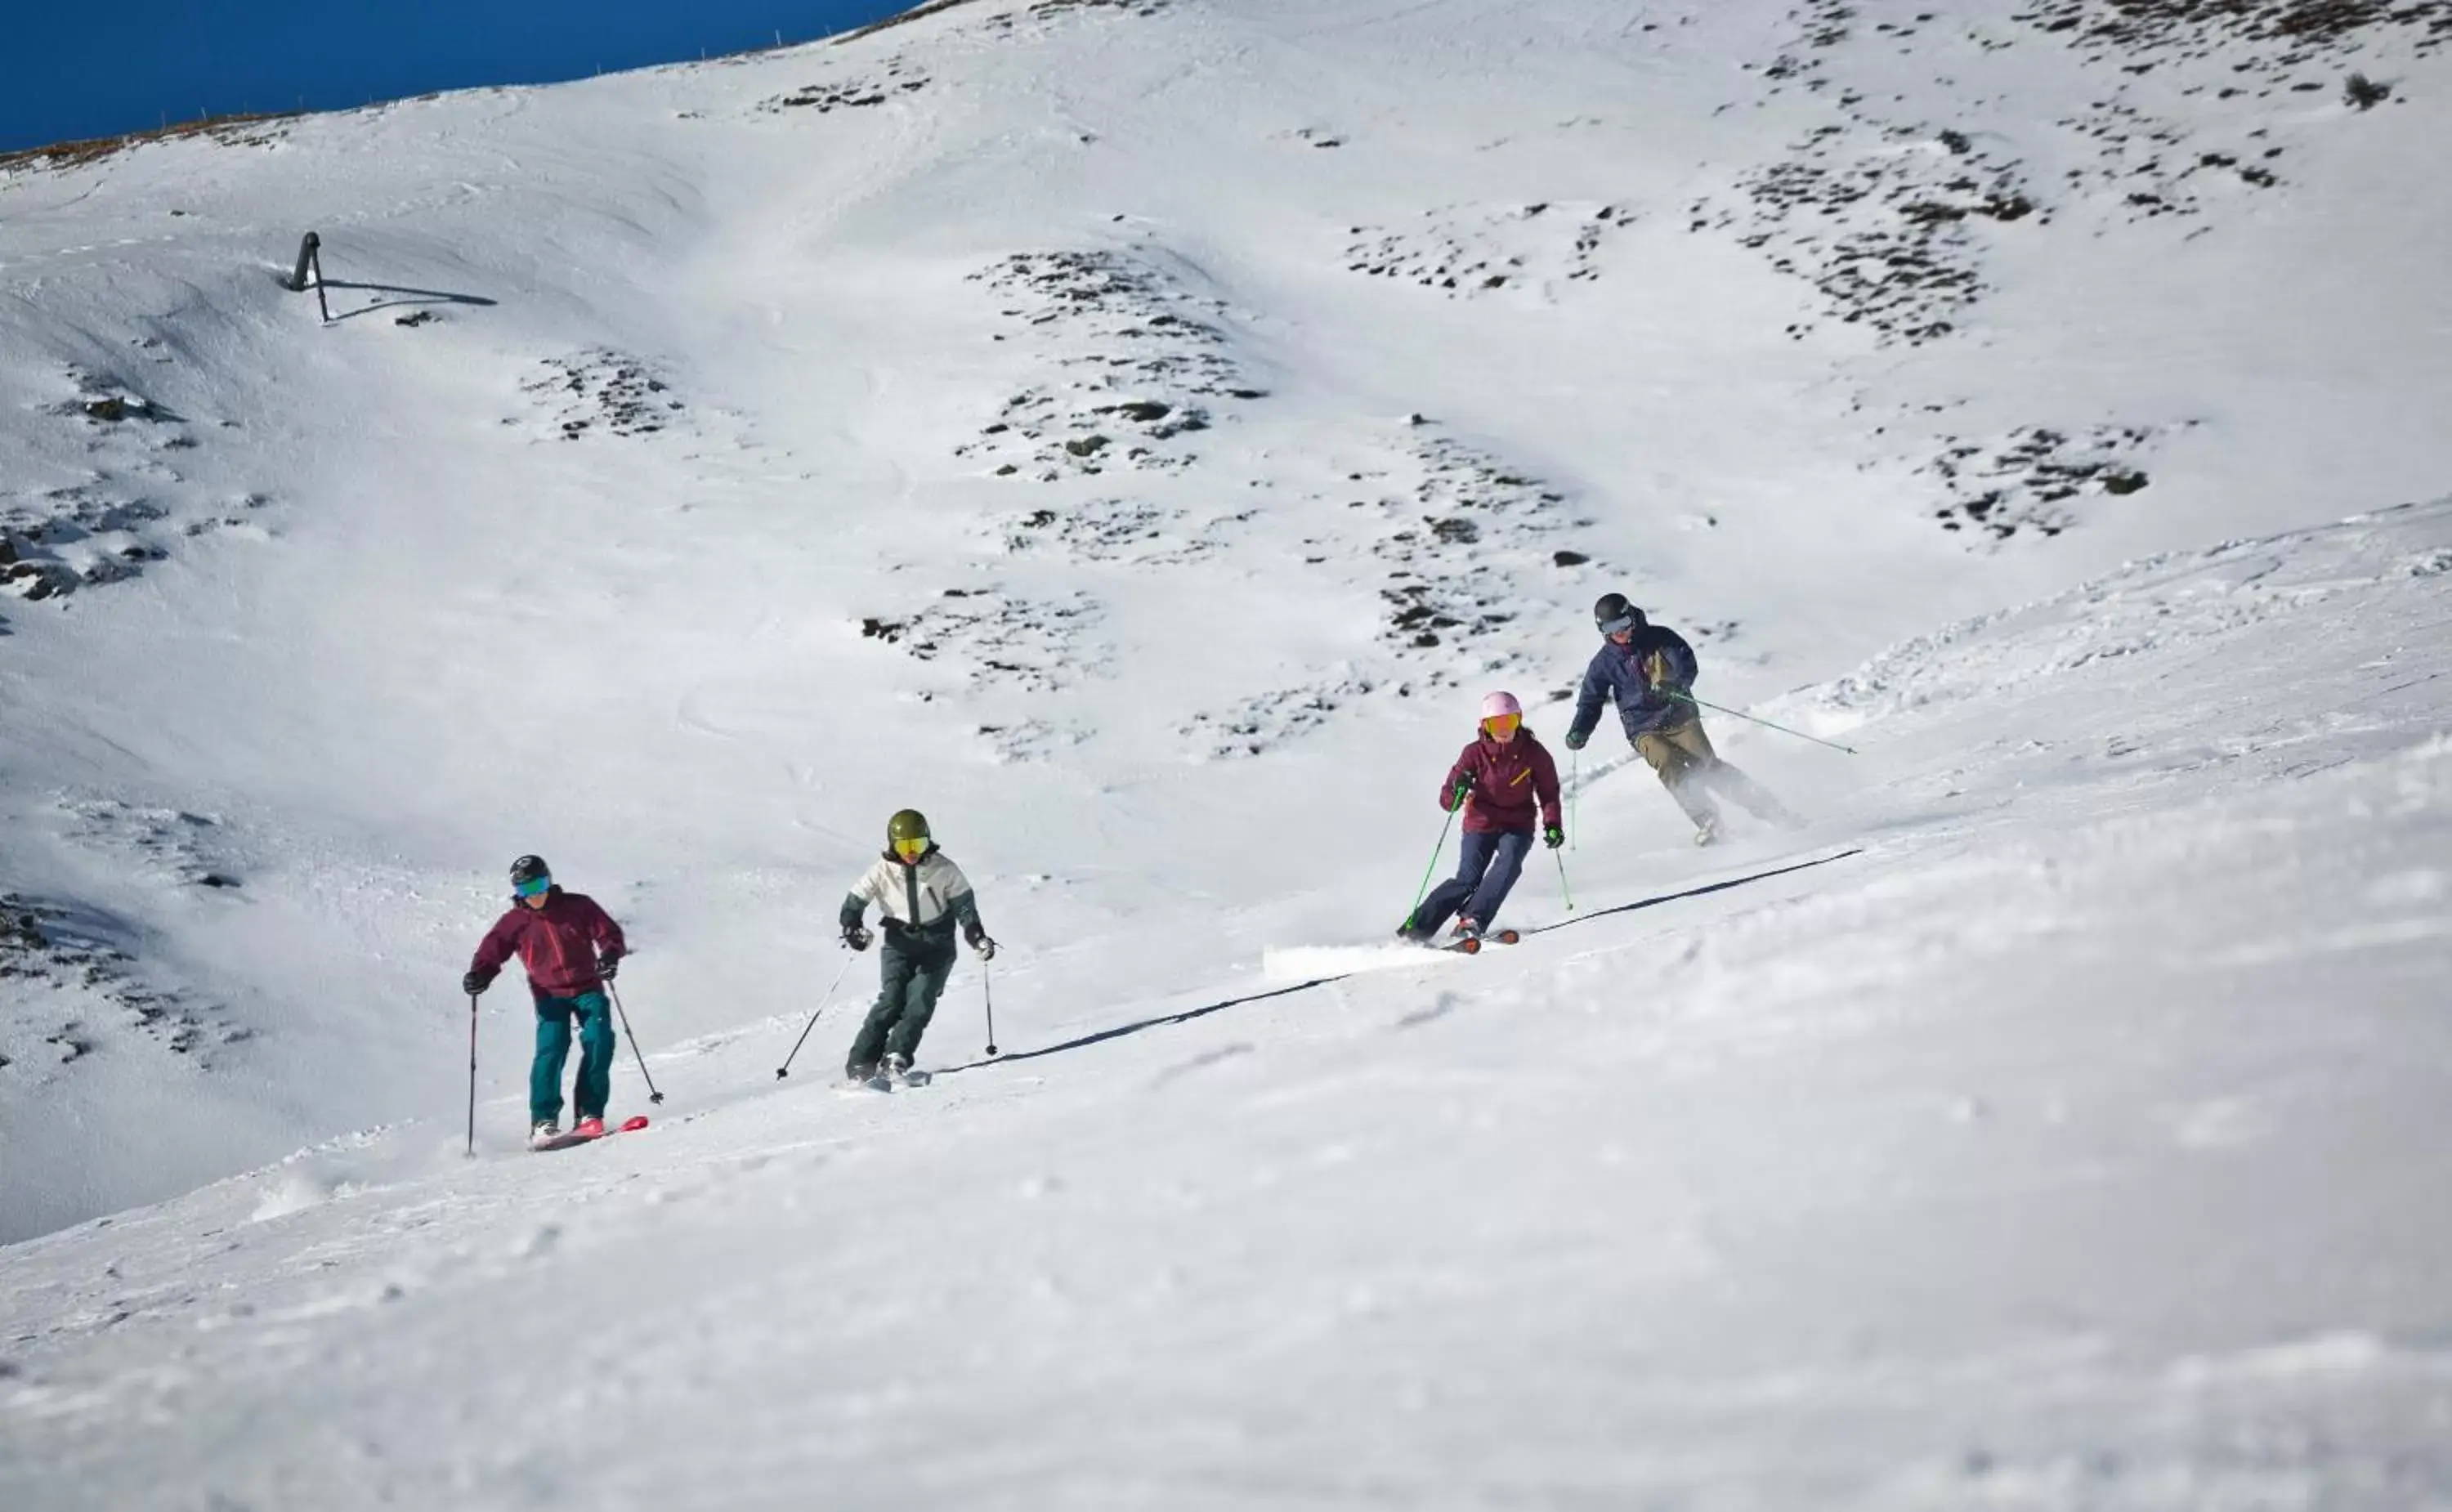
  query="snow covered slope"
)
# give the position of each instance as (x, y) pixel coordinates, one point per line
(1137, 434)
(2067, 1139)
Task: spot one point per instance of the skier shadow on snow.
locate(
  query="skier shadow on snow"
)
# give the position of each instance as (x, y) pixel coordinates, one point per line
(1121, 1031)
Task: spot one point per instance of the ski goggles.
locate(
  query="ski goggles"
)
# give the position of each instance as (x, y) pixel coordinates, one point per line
(533, 887)
(912, 849)
(1502, 723)
(1618, 626)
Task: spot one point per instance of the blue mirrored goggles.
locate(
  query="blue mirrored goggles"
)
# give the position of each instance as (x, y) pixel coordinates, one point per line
(533, 887)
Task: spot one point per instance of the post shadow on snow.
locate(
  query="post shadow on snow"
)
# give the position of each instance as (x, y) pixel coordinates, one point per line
(1122, 1030)
(1189, 1015)
(1696, 891)
(411, 296)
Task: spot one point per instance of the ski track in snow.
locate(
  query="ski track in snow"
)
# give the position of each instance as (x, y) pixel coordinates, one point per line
(1136, 432)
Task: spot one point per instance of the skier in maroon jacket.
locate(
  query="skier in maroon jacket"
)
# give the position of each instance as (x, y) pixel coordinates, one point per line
(570, 948)
(1501, 779)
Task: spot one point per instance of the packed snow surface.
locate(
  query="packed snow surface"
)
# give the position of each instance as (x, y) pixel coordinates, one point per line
(1137, 434)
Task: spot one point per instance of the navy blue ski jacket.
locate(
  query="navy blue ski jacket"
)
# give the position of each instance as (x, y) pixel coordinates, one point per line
(1616, 676)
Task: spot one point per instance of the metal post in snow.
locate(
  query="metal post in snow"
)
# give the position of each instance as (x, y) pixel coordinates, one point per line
(310, 260)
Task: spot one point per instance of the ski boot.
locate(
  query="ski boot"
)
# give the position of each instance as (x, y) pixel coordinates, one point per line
(898, 1071)
(591, 1127)
(545, 1131)
(1709, 832)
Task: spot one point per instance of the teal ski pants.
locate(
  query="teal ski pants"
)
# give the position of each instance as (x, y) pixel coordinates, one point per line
(595, 1089)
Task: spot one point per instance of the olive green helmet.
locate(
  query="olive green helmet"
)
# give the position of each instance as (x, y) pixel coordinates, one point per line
(910, 824)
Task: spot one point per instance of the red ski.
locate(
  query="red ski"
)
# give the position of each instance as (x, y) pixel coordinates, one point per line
(630, 1125)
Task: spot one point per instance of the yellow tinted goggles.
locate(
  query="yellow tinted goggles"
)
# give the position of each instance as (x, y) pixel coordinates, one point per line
(911, 849)
(1502, 723)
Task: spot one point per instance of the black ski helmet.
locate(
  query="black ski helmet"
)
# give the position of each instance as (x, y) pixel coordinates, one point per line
(907, 824)
(1614, 614)
(527, 869)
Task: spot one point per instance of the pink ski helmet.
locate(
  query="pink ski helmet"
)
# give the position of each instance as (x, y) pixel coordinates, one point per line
(1496, 704)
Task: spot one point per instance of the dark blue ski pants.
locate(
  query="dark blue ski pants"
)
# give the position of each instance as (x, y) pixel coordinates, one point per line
(1491, 862)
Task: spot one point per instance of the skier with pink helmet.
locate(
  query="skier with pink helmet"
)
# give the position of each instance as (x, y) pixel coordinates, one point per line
(1506, 781)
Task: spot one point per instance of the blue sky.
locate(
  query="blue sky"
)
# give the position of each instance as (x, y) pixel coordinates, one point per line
(73, 71)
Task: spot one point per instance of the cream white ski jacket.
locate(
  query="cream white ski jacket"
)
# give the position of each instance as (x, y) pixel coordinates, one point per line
(921, 904)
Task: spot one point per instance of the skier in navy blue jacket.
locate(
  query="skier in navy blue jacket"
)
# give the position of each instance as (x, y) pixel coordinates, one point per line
(1646, 670)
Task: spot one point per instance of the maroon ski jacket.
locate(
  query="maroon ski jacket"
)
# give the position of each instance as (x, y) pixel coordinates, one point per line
(557, 943)
(1509, 781)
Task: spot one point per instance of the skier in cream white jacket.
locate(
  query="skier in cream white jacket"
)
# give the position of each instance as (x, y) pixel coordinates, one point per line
(922, 895)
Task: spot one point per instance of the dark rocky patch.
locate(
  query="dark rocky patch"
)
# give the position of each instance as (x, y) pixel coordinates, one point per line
(1133, 347)
(48, 946)
(1469, 526)
(1002, 640)
(108, 528)
(899, 78)
(1132, 531)
(601, 390)
(1043, 11)
(169, 843)
(1462, 251)
(1884, 235)
(1889, 237)
(2360, 92)
(2141, 30)
(1257, 724)
(2031, 480)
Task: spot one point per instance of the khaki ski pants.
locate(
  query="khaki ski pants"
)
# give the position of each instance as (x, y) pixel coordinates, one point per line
(1692, 771)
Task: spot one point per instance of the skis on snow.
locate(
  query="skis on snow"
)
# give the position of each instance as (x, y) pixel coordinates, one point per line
(888, 1081)
(564, 1141)
(1471, 944)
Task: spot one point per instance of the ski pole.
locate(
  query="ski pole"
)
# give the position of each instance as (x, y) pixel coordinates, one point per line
(653, 1095)
(785, 1070)
(1424, 891)
(472, 1075)
(987, 993)
(1742, 715)
(1574, 797)
(1562, 881)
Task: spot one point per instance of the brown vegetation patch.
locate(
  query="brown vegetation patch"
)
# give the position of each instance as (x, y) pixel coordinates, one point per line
(230, 130)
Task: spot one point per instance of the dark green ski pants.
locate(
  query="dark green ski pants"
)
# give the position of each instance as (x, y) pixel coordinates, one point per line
(906, 999)
(553, 1052)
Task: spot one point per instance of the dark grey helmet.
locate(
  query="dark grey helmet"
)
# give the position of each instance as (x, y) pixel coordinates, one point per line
(527, 869)
(1614, 614)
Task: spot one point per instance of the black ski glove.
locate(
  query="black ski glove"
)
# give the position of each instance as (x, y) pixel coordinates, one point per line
(607, 964)
(1455, 799)
(981, 943)
(475, 982)
(856, 936)
(1575, 738)
(1553, 837)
